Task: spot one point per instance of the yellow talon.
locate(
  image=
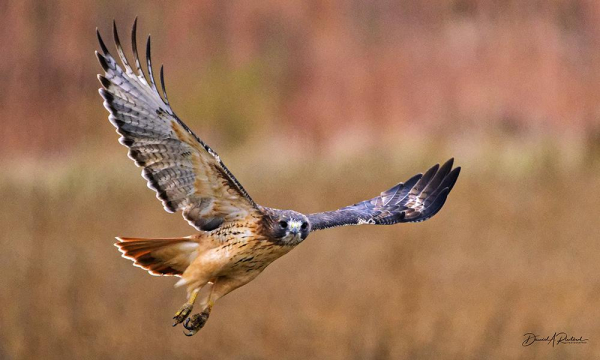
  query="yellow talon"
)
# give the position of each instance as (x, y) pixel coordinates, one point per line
(186, 309)
(197, 321)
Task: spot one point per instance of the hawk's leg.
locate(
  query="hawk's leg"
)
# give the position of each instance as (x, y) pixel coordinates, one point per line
(224, 286)
(186, 309)
(197, 321)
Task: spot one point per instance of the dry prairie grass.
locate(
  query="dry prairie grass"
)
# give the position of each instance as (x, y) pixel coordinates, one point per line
(512, 252)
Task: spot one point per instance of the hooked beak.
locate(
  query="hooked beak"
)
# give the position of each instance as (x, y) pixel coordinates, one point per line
(295, 227)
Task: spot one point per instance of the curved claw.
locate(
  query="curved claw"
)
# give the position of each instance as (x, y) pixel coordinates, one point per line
(192, 330)
(182, 314)
(186, 324)
(196, 322)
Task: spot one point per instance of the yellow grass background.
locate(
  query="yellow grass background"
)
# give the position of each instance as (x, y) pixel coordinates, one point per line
(313, 106)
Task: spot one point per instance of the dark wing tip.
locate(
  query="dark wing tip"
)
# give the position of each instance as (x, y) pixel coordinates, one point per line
(410, 183)
(104, 81)
(120, 51)
(116, 35)
(134, 28)
(149, 64)
(108, 97)
(425, 179)
(452, 177)
(136, 56)
(436, 205)
(162, 85)
(430, 173)
(433, 208)
(103, 61)
(433, 186)
(447, 166)
(102, 45)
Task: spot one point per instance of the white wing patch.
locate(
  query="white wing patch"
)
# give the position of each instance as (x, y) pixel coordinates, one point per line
(362, 221)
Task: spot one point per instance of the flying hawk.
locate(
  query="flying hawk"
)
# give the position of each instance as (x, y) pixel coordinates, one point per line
(236, 238)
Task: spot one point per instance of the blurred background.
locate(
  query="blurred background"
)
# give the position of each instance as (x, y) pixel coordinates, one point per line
(313, 105)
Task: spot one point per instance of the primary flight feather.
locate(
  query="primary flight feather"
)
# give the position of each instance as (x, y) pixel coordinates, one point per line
(236, 238)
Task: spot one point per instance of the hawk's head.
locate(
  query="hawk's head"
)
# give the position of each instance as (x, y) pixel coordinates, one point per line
(287, 227)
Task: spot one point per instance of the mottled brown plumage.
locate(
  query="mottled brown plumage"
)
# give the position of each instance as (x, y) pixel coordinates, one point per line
(237, 239)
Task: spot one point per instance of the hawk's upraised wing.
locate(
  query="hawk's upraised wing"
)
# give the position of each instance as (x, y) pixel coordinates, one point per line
(418, 199)
(186, 173)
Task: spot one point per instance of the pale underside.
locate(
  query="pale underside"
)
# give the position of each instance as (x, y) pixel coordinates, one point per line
(237, 238)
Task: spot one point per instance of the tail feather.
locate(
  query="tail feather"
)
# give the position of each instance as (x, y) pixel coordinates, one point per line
(167, 256)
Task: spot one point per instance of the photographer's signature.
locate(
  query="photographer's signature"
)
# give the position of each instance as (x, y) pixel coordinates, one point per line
(556, 339)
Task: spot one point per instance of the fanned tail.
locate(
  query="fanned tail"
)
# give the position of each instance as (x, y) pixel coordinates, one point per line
(167, 256)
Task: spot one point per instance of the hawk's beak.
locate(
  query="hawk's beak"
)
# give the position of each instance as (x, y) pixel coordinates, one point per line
(295, 227)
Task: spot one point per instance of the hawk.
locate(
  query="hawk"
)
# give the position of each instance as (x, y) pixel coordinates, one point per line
(236, 238)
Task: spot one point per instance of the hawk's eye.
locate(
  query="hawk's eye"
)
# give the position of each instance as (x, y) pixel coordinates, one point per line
(283, 224)
(304, 225)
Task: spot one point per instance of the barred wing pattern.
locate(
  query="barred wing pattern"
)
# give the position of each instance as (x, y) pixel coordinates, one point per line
(418, 199)
(186, 174)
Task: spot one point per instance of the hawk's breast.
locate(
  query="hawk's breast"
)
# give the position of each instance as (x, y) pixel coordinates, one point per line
(245, 249)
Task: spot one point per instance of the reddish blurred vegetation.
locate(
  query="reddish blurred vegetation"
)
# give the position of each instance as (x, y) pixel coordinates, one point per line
(313, 106)
(317, 68)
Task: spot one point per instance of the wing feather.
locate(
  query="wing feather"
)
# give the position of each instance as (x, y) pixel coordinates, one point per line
(417, 199)
(186, 174)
